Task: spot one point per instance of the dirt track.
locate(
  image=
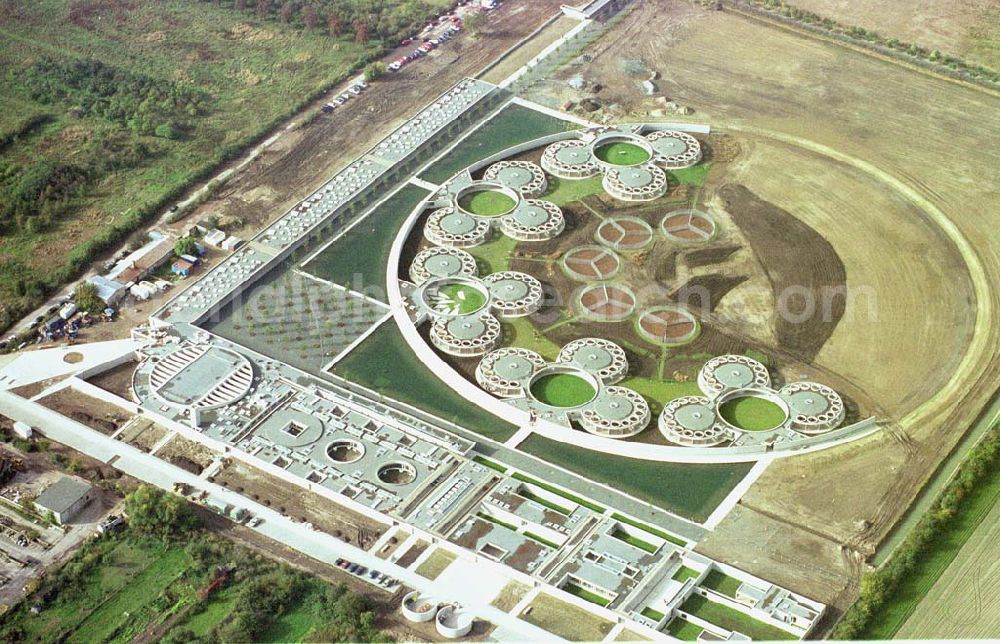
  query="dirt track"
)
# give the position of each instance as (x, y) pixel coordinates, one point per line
(301, 160)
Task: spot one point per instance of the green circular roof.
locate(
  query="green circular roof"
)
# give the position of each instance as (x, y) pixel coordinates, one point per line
(457, 224)
(513, 176)
(513, 367)
(695, 416)
(613, 406)
(443, 265)
(508, 290)
(808, 403)
(466, 328)
(734, 375)
(635, 177)
(573, 155)
(531, 216)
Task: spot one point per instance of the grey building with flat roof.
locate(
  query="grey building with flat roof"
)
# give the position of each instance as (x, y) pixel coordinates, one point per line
(65, 498)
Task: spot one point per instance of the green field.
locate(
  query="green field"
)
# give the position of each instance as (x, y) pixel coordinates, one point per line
(733, 620)
(693, 176)
(691, 490)
(141, 99)
(542, 540)
(650, 529)
(652, 614)
(514, 124)
(566, 191)
(633, 541)
(583, 593)
(462, 297)
(722, 583)
(684, 573)
(684, 630)
(487, 203)
(752, 413)
(385, 364)
(493, 465)
(359, 258)
(562, 390)
(621, 153)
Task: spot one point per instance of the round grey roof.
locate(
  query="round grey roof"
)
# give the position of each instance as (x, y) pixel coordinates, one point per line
(573, 155)
(636, 177)
(443, 265)
(457, 224)
(466, 328)
(807, 403)
(513, 367)
(613, 406)
(508, 290)
(592, 358)
(669, 145)
(513, 176)
(530, 216)
(734, 375)
(695, 416)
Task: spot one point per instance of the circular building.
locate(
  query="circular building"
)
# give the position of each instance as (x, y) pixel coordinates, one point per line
(503, 372)
(618, 412)
(691, 421)
(200, 376)
(752, 409)
(513, 294)
(688, 225)
(454, 296)
(441, 261)
(535, 220)
(447, 227)
(452, 623)
(486, 199)
(418, 608)
(523, 176)
(615, 149)
(814, 408)
(606, 302)
(466, 336)
(562, 386)
(602, 358)
(624, 233)
(723, 373)
(668, 325)
(674, 150)
(571, 159)
(590, 263)
(636, 183)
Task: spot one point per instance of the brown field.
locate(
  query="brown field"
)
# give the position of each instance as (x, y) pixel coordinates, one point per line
(890, 166)
(92, 412)
(566, 620)
(964, 603)
(968, 29)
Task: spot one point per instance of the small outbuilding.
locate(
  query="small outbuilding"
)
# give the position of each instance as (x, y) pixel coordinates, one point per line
(182, 267)
(65, 498)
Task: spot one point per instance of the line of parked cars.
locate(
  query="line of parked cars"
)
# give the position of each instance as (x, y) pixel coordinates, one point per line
(353, 90)
(374, 576)
(452, 25)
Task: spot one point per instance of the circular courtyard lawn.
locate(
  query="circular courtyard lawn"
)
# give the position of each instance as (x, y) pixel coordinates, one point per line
(462, 298)
(621, 153)
(487, 203)
(752, 413)
(562, 390)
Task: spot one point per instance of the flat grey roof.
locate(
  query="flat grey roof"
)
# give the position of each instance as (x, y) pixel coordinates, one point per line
(61, 495)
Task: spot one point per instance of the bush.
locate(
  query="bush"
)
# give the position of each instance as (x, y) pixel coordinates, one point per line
(374, 70)
(153, 511)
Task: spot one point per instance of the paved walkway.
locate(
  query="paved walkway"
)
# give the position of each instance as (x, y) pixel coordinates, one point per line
(317, 545)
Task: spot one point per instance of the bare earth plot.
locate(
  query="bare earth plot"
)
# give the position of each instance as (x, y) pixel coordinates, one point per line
(893, 168)
(964, 602)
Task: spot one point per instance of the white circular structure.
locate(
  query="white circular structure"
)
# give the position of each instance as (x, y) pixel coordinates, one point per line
(448, 227)
(674, 150)
(618, 412)
(503, 372)
(485, 186)
(623, 233)
(523, 176)
(418, 608)
(727, 372)
(454, 296)
(602, 358)
(688, 225)
(466, 336)
(451, 622)
(635, 183)
(200, 376)
(441, 261)
(606, 302)
(513, 294)
(691, 421)
(535, 220)
(814, 408)
(571, 159)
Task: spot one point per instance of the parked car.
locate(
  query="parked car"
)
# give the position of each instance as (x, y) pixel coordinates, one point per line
(326, 109)
(354, 90)
(338, 562)
(345, 96)
(338, 101)
(405, 42)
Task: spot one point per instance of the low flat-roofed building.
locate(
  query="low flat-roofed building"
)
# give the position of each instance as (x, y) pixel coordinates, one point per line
(110, 291)
(65, 498)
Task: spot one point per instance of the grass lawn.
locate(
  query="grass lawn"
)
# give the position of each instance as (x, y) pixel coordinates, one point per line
(461, 298)
(566, 620)
(691, 490)
(493, 256)
(358, 258)
(752, 413)
(514, 124)
(493, 465)
(722, 583)
(630, 636)
(660, 392)
(652, 614)
(693, 176)
(733, 620)
(684, 573)
(385, 363)
(528, 494)
(650, 529)
(563, 493)
(292, 626)
(520, 332)
(542, 540)
(684, 630)
(565, 191)
(583, 593)
(493, 519)
(212, 613)
(621, 535)
(435, 564)
(487, 203)
(621, 153)
(563, 390)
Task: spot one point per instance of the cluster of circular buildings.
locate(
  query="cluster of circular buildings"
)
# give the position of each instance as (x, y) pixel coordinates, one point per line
(632, 164)
(730, 381)
(578, 386)
(449, 619)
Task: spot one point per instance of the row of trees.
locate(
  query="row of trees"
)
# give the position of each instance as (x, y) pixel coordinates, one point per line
(882, 586)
